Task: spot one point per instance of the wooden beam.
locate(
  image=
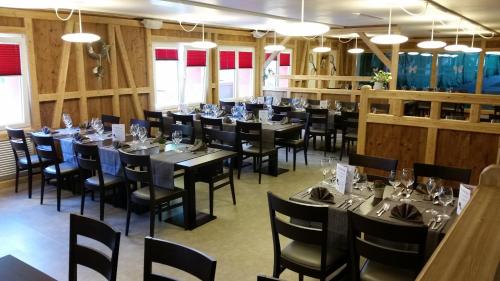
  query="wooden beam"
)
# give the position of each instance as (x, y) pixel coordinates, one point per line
(365, 29)
(13, 29)
(113, 69)
(95, 93)
(35, 103)
(363, 111)
(434, 69)
(149, 63)
(215, 73)
(82, 87)
(475, 112)
(396, 107)
(62, 75)
(128, 73)
(375, 49)
(275, 54)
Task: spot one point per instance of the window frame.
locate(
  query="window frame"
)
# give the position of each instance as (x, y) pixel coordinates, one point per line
(236, 86)
(278, 59)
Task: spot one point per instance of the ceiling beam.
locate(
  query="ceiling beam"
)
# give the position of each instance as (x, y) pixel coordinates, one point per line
(275, 54)
(374, 48)
(365, 29)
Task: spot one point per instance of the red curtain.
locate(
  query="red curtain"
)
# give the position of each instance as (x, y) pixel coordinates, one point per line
(284, 59)
(269, 54)
(227, 59)
(245, 60)
(166, 54)
(196, 58)
(10, 60)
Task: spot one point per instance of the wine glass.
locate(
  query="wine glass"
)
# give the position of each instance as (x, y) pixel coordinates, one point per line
(432, 186)
(67, 120)
(445, 198)
(99, 128)
(395, 181)
(407, 179)
(143, 135)
(176, 138)
(325, 168)
(333, 169)
(134, 132)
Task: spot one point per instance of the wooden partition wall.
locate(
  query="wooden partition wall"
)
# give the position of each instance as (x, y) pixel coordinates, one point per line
(467, 144)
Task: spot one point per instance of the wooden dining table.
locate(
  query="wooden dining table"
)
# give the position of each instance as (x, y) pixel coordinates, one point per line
(13, 269)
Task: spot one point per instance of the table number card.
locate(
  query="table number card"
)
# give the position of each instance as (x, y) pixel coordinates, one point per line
(345, 175)
(263, 116)
(464, 196)
(118, 132)
(260, 100)
(323, 104)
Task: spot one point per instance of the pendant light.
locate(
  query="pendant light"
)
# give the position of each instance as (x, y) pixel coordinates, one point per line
(431, 44)
(494, 53)
(80, 37)
(389, 39)
(302, 28)
(456, 47)
(356, 50)
(321, 49)
(203, 44)
(413, 53)
(274, 47)
(472, 49)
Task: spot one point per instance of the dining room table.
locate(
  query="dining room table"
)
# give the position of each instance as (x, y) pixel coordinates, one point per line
(14, 269)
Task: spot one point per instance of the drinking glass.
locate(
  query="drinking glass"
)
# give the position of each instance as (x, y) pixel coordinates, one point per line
(394, 179)
(99, 128)
(333, 169)
(134, 132)
(67, 120)
(143, 136)
(445, 198)
(325, 168)
(338, 105)
(432, 187)
(407, 179)
(176, 138)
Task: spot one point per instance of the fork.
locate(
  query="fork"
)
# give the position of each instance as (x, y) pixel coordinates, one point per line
(437, 223)
(386, 207)
(348, 204)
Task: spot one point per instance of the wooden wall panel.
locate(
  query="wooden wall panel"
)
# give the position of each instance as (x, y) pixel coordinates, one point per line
(407, 144)
(467, 150)
(11, 21)
(71, 107)
(135, 41)
(46, 109)
(71, 80)
(98, 106)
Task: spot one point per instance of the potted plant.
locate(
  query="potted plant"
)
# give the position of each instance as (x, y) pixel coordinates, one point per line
(162, 141)
(378, 188)
(380, 79)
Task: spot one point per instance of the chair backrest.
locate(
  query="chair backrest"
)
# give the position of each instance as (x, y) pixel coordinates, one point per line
(46, 150)
(137, 169)
(442, 172)
(108, 120)
(184, 119)
(249, 131)
(312, 102)
(209, 123)
(142, 123)
(222, 139)
(373, 162)
(350, 120)
(349, 106)
(188, 135)
(177, 256)
(19, 144)
(285, 101)
(227, 105)
(318, 116)
(416, 235)
(87, 157)
(379, 108)
(92, 258)
(281, 109)
(155, 119)
(266, 278)
(311, 213)
(254, 108)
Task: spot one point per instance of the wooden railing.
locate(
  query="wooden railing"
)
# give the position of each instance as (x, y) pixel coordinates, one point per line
(461, 143)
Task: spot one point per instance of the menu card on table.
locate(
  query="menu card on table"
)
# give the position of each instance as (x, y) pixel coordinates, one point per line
(118, 132)
(323, 104)
(464, 196)
(345, 175)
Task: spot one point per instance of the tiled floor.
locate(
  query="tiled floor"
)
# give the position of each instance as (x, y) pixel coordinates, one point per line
(240, 237)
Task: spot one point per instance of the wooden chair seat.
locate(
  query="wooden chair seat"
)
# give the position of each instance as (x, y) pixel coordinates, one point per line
(161, 194)
(374, 271)
(64, 167)
(108, 180)
(255, 149)
(289, 142)
(34, 160)
(309, 255)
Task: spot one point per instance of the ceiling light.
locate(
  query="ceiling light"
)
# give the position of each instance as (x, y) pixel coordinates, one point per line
(426, 55)
(454, 56)
(431, 44)
(203, 44)
(495, 53)
(456, 47)
(80, 37)
(274, 47)
(401, 53)
(356, 50)
(444, 55)
(389, 39)
(321, 49)
(302, 28)
(472, 49)
(413, 53)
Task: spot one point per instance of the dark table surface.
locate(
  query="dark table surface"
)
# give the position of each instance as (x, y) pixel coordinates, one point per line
(13, 269)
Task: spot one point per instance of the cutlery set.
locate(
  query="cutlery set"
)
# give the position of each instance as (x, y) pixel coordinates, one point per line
(346, 204)
(384, 209)
(435, 222)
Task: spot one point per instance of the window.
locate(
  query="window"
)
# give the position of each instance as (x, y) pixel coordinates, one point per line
(280, 65)
(235, 72)
(14, 85)
(179, 75)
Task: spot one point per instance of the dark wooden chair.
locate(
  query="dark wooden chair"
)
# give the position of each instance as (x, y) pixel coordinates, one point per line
(92, 258)
(92, 177)
(373, 162)
(307, 253)
(267, 278)
(496, 110)
(281, 109)
(155, 119)
(108, 120)
(227, 106)
(349, 106)
(312, 102)
(216, 176)
(52, 167)
(285, 101)
(188, 135)
(142, 123)
(254, 108)
(177, 256)
(494, 118)
(349, 131)
(318, 126)
(209, 123)
(142, 191)
(385, 262)
(25, 161)
(381, 108)
(294, 141)
(443, 172)
(183, 119)
(249, 141)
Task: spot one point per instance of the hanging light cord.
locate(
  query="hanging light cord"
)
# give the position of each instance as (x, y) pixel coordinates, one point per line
(302, 12)
(456, 36)
(432, 29)
(390, 20)
(345, 42)
(187, 30)
(413, 14)
(61, 18)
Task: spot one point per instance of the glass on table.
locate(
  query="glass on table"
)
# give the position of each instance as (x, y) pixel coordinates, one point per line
(407, 179)
(333, 169)
(445, 198)
(68, 122)
(143, 136)
(325, 168)
(432, 187)
(176, 139)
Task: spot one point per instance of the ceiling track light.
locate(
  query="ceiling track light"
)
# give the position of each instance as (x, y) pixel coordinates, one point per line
(322, 49)
(456, 47)
(389, 39)
(79, 37)
(356, 50)
(274, 47)
(302, 28)
(472, 49)
(431, 44)
(203, 44)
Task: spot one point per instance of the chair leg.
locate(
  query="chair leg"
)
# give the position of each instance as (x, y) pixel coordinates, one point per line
(239, 165)
(231, 185)
(128, 216)
(342, 147)
(294, 157)
(59, 188)
(159, 213)
(101, 203)
(301, 277)
(30, 182)
(211, 197)
(42, 188)
(260, 168)
(287, 149)
(314, 142)
(152, 222)
(17, 178)
(82, 204)
(305, 155)
(254, 162)
(334, 141)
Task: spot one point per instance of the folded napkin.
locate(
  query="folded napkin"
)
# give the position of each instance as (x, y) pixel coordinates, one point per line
(79, 138)
(406, 212)
(198, 146)
(46, 131)
(227, 120)
(321, 194)
(170, 114)
(284, 120)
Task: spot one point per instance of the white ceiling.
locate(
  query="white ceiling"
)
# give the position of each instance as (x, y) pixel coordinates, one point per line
(264, 14)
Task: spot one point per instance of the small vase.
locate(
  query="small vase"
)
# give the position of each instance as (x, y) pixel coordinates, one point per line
(379, 193)
(378, 86)
(162, 147)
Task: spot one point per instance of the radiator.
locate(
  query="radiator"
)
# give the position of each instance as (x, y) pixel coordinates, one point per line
(7, 160)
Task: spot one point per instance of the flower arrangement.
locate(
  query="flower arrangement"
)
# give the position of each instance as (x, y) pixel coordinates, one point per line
(382, 77)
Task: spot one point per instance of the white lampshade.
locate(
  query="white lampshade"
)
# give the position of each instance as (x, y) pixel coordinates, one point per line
(413, 53)
(203, 44)
(431, 44)
(302, 29)
(322, 49)
(80, 37)
(455, 47)
(426, 55)
(496, 53)
(389, 39)
(472, 50)
(274, 48)
(401, 53)
(356, 50)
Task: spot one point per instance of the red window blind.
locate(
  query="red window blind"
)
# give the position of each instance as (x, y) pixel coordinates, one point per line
(10, 60)
(227, 59)
(166, 54)
(196, 58)
(284, 59)
(269, 54)
(245, 60)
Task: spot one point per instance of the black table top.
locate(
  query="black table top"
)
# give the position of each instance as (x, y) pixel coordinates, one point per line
(13, 269)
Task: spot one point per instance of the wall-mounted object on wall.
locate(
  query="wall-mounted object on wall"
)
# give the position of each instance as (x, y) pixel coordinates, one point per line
(103, 53)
